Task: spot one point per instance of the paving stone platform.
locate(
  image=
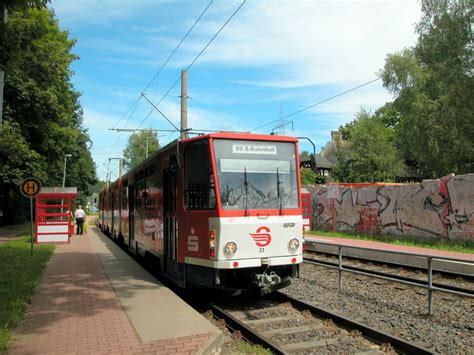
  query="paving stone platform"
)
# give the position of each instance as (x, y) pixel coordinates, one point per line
(93, 298)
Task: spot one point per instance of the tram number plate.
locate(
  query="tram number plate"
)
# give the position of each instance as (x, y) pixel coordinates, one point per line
(261, 250)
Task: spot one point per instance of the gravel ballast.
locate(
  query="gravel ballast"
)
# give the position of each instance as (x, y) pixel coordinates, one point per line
(395, 308)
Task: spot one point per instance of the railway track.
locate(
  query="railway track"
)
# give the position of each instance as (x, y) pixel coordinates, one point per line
(353, 265)
(285, 325)
(310, 250)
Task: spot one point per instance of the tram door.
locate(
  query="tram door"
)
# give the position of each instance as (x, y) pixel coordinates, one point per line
(170, 222)
(131, 215)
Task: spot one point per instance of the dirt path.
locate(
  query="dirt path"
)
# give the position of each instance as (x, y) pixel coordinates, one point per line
(13, 232)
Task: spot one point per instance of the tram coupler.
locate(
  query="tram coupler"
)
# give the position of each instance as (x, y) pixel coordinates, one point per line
(286, 281)
(264, 280)
(271, 282)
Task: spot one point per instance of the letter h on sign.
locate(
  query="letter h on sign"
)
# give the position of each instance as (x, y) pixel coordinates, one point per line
(31, 187)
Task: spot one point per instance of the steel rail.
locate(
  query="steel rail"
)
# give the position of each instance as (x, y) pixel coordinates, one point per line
(447, 273)
(432, 256)
(397, 278)
(369, 332)
(429, 259)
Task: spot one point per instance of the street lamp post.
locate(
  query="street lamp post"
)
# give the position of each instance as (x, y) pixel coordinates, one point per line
(64, 172)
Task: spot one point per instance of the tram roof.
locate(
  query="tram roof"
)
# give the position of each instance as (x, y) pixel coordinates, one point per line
(244, 136)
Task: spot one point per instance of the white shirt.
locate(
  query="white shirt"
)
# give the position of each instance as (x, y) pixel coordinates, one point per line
(80, 213)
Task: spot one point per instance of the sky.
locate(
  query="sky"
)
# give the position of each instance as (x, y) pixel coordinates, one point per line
(271, 60)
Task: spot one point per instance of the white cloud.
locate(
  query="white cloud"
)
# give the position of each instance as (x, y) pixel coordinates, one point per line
(292, 47)
(313, 42)
(96, 12)
(99, 121)
(368, 98)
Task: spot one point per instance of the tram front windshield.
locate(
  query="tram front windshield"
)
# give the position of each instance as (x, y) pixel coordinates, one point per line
(256, 175)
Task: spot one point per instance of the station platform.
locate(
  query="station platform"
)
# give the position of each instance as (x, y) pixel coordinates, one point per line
(93, 298)
(460, 263)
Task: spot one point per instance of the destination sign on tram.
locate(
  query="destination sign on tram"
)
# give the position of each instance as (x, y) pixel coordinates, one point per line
(254, 149)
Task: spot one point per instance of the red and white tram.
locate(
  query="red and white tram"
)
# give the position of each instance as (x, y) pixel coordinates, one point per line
(220, 210)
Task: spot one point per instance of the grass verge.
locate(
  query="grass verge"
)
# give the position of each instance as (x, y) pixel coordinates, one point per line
(241, 347)
(448, 245)
(20, 274)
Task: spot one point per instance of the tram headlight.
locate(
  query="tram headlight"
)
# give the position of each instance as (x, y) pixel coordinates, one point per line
(293, 244)
(230, 248)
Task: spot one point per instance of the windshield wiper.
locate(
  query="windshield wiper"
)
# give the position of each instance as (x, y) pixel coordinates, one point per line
(246, 184)
(280, 198)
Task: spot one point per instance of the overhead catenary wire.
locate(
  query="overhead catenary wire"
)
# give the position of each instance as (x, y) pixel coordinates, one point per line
(196, 58)
(179, 44)
(161, 113)
(166, 61)
(217, 113)
(318, 103)
(133, 107)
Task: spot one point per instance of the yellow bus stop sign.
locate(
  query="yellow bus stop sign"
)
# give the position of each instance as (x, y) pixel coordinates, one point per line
(30, 187)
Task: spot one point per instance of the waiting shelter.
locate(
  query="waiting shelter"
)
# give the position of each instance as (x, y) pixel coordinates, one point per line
(54, 223)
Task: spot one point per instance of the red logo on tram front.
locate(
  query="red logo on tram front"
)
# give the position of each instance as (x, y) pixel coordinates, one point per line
(262, 238)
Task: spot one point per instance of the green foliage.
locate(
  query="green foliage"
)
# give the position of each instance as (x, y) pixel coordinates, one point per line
(433, 85)
(23, 4)
(42, 115)
(346, 130)
(241, 347)
(304, 154)
(320, 179)
(19, 278)
(18, 160)
(372, 155)
(97, 187)
(308, 176)
(135, 152)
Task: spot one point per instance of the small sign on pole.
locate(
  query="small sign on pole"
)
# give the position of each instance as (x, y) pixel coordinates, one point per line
(30, 187)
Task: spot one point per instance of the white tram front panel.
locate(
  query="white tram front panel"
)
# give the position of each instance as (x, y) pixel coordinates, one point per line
(259, 240)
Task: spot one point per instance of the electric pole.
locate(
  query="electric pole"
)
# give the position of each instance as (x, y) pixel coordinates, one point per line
(184, 104)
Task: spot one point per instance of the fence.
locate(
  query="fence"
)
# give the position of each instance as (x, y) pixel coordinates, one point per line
(429, 268)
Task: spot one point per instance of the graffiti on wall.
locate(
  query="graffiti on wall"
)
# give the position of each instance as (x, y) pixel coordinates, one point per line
(434, 208)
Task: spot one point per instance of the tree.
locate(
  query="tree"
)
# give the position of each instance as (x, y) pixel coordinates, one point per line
(372, 155)
(23, 4)
(308, 176)
(42, 115)
(136, 149)
(433, 85)
(304, 154)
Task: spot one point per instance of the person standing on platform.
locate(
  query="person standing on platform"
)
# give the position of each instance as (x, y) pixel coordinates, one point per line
(80, 217)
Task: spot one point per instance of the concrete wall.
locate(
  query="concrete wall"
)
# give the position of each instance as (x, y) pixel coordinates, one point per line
(441, 209)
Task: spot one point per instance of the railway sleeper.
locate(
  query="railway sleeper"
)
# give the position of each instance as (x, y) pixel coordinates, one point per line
(257, 311)
(312, 345)
(255, 322)
(289, 331)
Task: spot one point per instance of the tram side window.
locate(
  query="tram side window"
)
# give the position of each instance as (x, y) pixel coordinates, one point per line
(141, 193)
(199, 190)
(125, 196)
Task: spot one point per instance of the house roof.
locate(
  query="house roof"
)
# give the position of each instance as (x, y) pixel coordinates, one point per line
(321, 162)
